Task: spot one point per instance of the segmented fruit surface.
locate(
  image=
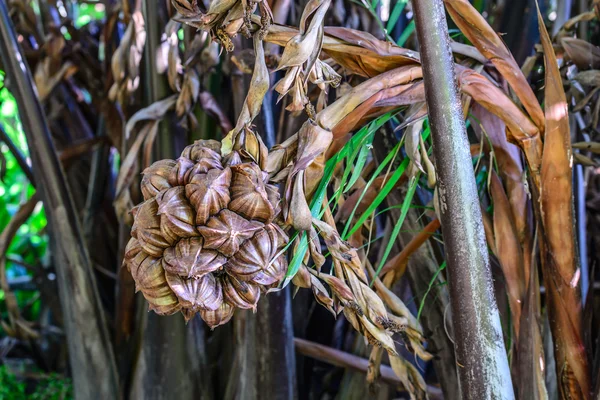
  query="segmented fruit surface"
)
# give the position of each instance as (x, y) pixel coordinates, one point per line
(204, 240)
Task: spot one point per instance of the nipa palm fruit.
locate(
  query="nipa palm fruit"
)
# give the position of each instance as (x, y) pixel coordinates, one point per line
(205, 239)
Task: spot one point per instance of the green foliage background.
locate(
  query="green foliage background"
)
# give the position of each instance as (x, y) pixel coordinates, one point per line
(30, 244)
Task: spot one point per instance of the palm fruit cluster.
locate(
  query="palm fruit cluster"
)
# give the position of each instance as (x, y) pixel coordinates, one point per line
(205, 240)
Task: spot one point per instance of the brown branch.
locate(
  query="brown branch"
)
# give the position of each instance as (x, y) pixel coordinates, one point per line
(18, 326)
(346, 360)
(398, 263)
(342, 359)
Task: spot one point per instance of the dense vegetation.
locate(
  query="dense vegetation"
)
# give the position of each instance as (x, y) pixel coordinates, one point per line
(335, 91)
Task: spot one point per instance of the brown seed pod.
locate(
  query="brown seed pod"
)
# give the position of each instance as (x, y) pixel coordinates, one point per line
(249, 195)
(156, 178)
(204, 240)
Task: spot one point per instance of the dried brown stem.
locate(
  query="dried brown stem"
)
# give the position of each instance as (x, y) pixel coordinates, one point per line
(398, 263)
(17, 325)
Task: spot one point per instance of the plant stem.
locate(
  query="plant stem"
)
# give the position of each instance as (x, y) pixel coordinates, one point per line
(91, 357)
(17, 155)
(483, 366)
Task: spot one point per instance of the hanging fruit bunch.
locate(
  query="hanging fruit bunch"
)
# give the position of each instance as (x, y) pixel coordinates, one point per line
(205, 239)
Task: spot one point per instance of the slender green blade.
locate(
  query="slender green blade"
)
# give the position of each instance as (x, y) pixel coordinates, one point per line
(360, 162)
(352, 148)
(433, 279)
(412, 187)
(387, 188)
(406, 34)
(391, 156)
(395, 14)
(296, 261)
(366, 145)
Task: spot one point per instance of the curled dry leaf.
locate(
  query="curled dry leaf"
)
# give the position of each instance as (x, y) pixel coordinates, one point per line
(480, 33)
(301, 59)
(299, 215)
(411, 378)
(508, 250)
(412, 143)
(583, 54)
(146, 134)
(224, 19)
(125, 62)
(259, 86)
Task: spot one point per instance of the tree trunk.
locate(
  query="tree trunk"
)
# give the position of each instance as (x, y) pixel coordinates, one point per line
(479, 345)
(91, 357)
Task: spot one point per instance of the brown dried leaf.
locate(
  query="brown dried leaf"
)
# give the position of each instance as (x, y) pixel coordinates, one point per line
(481, 34)
(411, 378)
(299, 215)
(588, 78)
(155, 111)
(259, 85)
(190, 91)
(530, 381)
(585, 55)
(336, 112)
(510, 168)
(594, 147)
(584, 160)
(321, 294)
(560, 251)
(508, 250)
(497, 102)
(210, 105)
(314, 245)
(46, 81)
(306, 45)
(363, 54)
(412, 142)
(130, 161)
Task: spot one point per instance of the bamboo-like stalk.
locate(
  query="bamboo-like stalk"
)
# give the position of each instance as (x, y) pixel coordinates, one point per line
(90, 352)
(347, 360)
(483, 366)
(421, 268)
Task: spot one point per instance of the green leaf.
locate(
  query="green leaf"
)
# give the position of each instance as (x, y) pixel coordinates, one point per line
(360, 162)
(412, 187)
(315, 206)
(395, 14)
(391, 156)
(406, 34)
(437, 273)
(350, 151)
(296, 262)
(387, 188)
